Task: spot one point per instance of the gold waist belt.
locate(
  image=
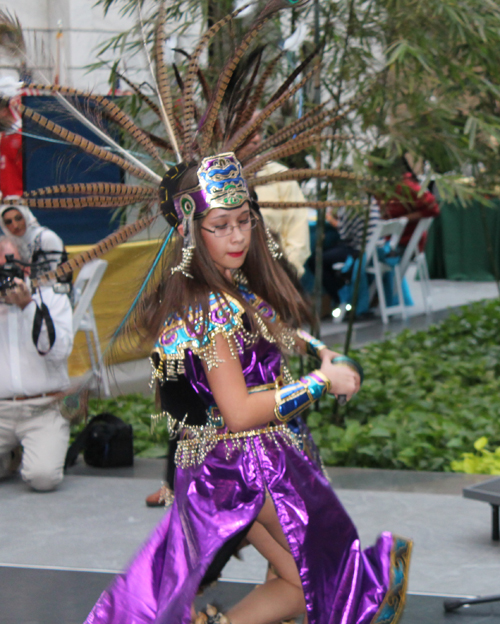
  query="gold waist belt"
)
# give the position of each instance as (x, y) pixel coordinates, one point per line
(192, 451)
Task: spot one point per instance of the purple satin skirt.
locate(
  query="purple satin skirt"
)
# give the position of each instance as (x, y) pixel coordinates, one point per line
(219, 498)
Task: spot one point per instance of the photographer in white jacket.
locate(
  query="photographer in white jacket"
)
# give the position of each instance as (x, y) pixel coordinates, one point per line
(36, 338)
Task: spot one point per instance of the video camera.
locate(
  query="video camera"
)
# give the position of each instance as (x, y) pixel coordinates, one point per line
(44, 261)
(11, 269)
(15, 268)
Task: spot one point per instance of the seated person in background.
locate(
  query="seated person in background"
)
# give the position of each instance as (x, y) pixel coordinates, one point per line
(408, 201)
(37, 244)
(350, 223)
(290, 224)
(36, 338)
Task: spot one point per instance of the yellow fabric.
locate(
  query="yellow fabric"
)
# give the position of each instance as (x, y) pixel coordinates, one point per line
(127, 268)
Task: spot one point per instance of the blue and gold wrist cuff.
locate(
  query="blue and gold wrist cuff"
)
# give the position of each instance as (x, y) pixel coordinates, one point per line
(313, 345)
(293, 398)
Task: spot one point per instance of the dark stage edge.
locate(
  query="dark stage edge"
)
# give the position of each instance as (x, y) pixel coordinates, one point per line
(47, 596)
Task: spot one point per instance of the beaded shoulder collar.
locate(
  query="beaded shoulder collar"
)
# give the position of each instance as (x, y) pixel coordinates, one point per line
(226, 317)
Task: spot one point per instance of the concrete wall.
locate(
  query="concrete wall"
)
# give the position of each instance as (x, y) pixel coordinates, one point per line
(84, 30)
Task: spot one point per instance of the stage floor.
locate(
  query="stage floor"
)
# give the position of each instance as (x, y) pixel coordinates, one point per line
(46, 596)
(59, 550)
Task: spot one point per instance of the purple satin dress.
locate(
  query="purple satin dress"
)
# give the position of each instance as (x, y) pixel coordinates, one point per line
(220, 495)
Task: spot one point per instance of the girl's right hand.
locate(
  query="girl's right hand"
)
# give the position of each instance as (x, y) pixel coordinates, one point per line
(344, 380)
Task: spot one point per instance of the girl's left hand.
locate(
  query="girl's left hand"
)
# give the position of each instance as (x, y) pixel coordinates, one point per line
(326, 354)
(344, 380)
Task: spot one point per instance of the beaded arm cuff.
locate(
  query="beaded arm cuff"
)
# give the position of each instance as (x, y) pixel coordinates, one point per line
(295, 397)
(313, 345)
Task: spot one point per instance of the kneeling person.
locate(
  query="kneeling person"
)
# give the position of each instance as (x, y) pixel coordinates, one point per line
(36, 338)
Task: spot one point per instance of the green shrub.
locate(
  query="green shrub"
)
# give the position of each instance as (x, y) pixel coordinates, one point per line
(428, 395)
(482, 462)
(427, 398)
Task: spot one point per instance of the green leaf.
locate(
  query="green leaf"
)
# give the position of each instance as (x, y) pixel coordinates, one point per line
(480, 443)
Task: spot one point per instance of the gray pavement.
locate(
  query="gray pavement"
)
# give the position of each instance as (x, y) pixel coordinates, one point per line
(96, 523)
(446, 297)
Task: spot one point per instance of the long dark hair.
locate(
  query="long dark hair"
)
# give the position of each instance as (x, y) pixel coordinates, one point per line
(178, 294)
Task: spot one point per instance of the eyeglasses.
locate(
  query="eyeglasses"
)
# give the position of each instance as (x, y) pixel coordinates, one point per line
(226, 229)
(17, 218)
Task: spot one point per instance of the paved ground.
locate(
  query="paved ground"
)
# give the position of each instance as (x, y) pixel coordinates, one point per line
(446, 298)
(77, 537)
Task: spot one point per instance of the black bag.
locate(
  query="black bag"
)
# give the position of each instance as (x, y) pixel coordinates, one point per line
(106, 442)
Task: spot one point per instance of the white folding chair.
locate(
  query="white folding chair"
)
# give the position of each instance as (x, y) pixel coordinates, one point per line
(392, 228)
(412, 254)
(84, 289)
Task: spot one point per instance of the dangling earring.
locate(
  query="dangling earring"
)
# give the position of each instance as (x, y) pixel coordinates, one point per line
(188, 246)
(273, 246)
(240, 278)
(183, 266)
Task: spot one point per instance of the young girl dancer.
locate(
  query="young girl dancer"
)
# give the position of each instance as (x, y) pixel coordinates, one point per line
(224, 316)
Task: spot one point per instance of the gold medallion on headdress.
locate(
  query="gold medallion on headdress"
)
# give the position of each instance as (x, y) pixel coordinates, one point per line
(222, 182)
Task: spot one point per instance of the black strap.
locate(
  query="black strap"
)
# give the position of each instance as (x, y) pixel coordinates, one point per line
(37, 243)
(75, 449)
(42, 314)
(44, 257)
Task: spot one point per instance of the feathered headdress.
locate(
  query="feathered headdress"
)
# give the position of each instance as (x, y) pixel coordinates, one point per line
(205, 136)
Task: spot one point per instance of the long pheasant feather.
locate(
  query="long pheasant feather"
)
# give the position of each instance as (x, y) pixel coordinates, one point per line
(306, 174)
(205, 89)
(271, 8)
(222, 84)
(310, 119)
(101, 248)
(250, 128)
(113, 111)
(298, 70)
(190, 80)
(317, 205)
(247, 112)
(142, 96)
(160, 141)
(293, 146)
(201, 76)
(77, 203)
(240, 94)
(94, 188)
(84, 144)
(162, 79)
(178, 77)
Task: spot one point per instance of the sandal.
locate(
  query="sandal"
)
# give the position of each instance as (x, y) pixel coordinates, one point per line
(163, 497)
(211, 616)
